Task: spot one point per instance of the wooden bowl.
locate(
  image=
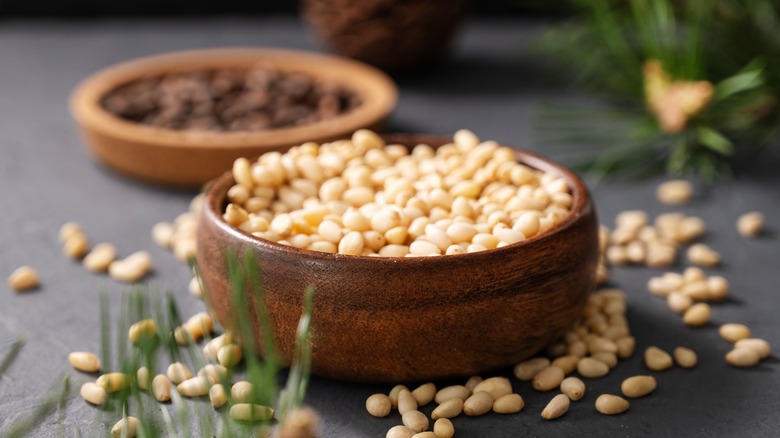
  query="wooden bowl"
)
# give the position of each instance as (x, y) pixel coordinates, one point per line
(190, 158)
(412, 319)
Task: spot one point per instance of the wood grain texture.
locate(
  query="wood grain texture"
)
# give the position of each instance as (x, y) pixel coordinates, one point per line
(190, 158)
(413, 319)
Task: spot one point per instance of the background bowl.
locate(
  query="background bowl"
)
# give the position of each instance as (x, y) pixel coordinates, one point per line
(189, 158)
(411, 319)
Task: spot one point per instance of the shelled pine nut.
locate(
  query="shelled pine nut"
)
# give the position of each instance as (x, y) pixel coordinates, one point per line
(750, 224)
(126, 427)
(251, 412)
(100, 258)
(132, 268)
(609, 404)
(217, 396)
(379, 405)
(23, 279)
(161, 388)
(657, 359)
(84, 361)
(638, 386)
(415, 420)
(443, 428)
(556, 407)
(573, 387)
(479, 403)
(685, 357)
(424, 394)
(508, 404)
(93, 393)
(448, 409)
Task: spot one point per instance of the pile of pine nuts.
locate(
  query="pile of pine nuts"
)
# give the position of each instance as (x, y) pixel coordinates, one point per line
(363, 197)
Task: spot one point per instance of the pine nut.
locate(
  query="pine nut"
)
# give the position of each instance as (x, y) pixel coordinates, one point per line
(599, 344)
(674, 192)
(567, 363)
(68, 229)
(217, 396)
(497, 387)
(548, 379)
(685, 357)
(23, 279)
(132, 268)
(415, 420)
(406, 401)
(702, 255)
(556, 407)
(113, 382)
(400, 431)
(424, 435)
(527, 369)
(126, 427)
(424, 394)
(743, 357)
(193, 387)
(698, 315)
(472, 383)
(229, 355)
(101, 256)
(657, 359)
(443, 428)
(592, 368)
(750, 224)
(477, 404)
(626, 347)
(76, 246)
(638, 386)
(161, 388)
(393, 395)
(83, 361)
(609, 404)
(178, 372)
(142, 378)
(213, 373)
(760, 346)
(143, 330)
(93, 393)
(379, 405)
(195, 287)
(241, 392)
(448, 409)
(573, 387)
(734, 332)
(162, 234)
(678, 302)
(251, 412)
(454, 391)
(610, 359)
(508, 404)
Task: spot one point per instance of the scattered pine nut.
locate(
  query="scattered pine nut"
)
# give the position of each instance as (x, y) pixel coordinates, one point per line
(126, 427)
(556, 407)
(592, 368)
(609, 404)
(479, 403)
(68, 229)
(448, 409)
(143, 378)
(424, 394)
(702, 255)
(142, 330)
(743, 357)
(509, 404)
(93, 393)
(406, 402)
(750, 224)
(638, 386)
(415, 420)
(195, 287)
(23, 279)
(657, 359)
(217, 396)
(685, 357)
(101, 256)
(193, 387)
(734, 332)
(548, 379)
(84, 361)
(241, 392)
(161, 388)
(400, 431)
(393, 395)
(674, 192)
(472, 383)
(443, 428)
(424, 435)
(379, 405)
(178, 372)
(573, 387)
(162, 234)
(454, 391)
(113, 382)
(76, 245)
(760, 346)
(497, 387)
(132, 268)
(527, 369)
(251, 412)
(567, 363)
(213, 373)
(229, 355)
(698, 315)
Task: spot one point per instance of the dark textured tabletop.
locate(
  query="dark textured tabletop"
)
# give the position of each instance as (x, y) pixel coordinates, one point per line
(47, 178)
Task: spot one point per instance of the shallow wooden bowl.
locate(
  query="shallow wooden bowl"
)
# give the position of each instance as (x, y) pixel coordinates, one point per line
(190, 158)
(412, 319)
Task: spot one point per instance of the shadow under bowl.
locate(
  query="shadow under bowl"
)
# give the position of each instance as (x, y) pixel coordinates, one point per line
(412, 319)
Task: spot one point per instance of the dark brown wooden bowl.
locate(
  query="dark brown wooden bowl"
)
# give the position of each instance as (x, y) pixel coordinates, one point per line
(412, 319)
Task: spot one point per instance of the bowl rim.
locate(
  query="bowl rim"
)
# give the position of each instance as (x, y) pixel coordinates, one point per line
(377, 91)
(582, 206)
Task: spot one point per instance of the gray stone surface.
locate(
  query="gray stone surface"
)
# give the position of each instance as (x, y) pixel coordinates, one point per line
(47, 178)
